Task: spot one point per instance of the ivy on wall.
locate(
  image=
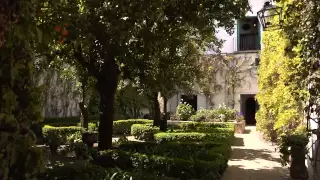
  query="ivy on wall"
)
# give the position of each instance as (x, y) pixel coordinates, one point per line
(282, 91)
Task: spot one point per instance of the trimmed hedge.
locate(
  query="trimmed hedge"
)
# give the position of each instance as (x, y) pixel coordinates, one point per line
(67, 121)
(171, 167)
(201, 126)
(144, 131)
(121, 127)
(93, 172)
(60, 133)
(206, 151)
(191, 137)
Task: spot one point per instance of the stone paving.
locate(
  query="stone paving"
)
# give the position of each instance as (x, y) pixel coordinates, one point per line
(254, 159)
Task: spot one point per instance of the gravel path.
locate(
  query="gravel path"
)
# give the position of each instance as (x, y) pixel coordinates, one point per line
(254, 159)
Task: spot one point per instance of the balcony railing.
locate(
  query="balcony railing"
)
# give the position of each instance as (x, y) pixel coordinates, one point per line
(249, 42)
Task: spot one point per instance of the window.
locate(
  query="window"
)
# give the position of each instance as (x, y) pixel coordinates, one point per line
(248, 30)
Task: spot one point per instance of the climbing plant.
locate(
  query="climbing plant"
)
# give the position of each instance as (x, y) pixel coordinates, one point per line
(281, 83)
(20, 98)
(235, 72)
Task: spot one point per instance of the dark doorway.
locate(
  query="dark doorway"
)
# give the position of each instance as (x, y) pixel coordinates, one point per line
(249, 107)
(250, 113)
(190, 99)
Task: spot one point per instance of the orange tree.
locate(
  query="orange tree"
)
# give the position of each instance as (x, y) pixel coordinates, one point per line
(116, 38)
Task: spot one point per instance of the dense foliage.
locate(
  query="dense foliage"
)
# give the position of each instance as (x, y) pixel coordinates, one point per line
(20, 97)
(184, 111)
(282, 89)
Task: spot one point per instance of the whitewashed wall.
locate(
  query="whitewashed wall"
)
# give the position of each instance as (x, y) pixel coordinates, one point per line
(249, 86)
(229, 45)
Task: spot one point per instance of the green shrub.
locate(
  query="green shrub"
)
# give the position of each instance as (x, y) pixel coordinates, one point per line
(121, 127)
(207, 151)
(91, 126)
(143, 131)
(198, 117)
(201, 126)
(67, 121)
(205, 115)
(191, 137)
(184, 111)
(171, 167)
(60, 135)
(83, 172)
(225, 113)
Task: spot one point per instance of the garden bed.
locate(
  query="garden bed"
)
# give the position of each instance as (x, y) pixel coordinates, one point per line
(188, 150)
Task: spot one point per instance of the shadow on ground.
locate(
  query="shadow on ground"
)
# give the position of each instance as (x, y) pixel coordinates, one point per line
(238, 141)
(247, 131)
(265, 173)
(252, 154)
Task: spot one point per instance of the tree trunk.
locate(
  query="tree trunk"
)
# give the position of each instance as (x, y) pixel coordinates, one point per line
(156, 110)
(107, 84)
(165, 117)
(85, 115)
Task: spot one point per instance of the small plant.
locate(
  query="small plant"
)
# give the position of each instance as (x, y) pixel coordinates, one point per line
(184, 111)
(239, 117)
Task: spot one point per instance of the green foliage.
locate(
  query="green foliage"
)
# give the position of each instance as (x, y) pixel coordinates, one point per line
(144, 131)
(184, 111)
(290, 143)
(201, 126)
(191, 137)
(129, 101)
(207, 151)
(121, 127)
(129, 42)
(282, 91)
(171, 167)
(66, 121)
(212, 115)
(85, 172)
(20, 97)
(225, 113)
(60, 135)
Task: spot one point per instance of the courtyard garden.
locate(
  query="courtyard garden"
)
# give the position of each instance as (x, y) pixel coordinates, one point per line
(189, 150)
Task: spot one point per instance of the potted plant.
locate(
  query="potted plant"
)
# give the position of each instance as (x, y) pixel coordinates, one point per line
(293, 150)
(90, 137)
(240, 123)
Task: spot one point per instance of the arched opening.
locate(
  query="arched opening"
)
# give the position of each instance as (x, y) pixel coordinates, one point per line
(190, 99)
(250, 111)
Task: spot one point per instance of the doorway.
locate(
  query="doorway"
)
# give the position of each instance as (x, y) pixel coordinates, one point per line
(249, 107)
(190, 99)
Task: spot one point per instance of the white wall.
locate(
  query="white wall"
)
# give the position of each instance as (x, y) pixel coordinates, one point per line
(230, 40)
(249, 86)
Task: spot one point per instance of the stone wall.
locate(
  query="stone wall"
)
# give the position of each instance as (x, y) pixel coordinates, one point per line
(60, 99)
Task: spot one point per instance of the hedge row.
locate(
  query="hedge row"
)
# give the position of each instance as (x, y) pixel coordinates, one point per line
(93, 172)
(60, 135)
(67, 121)
(121, 127)
(166, 166)
(206, 151)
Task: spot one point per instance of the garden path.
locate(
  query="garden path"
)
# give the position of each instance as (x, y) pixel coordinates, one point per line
(254, 159)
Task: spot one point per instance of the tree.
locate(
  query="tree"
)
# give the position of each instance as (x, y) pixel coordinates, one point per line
(130, 100)
(20, 97)
(110, 38)
(174, 69)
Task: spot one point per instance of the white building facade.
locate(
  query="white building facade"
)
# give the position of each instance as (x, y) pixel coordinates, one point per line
(245, 45)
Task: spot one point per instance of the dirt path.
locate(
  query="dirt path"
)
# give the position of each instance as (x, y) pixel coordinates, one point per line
(254, 159)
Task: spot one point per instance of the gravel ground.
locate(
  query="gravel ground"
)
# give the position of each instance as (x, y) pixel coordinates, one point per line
(254, 159)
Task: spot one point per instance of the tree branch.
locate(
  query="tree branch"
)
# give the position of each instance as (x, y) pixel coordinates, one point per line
(79, 57)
